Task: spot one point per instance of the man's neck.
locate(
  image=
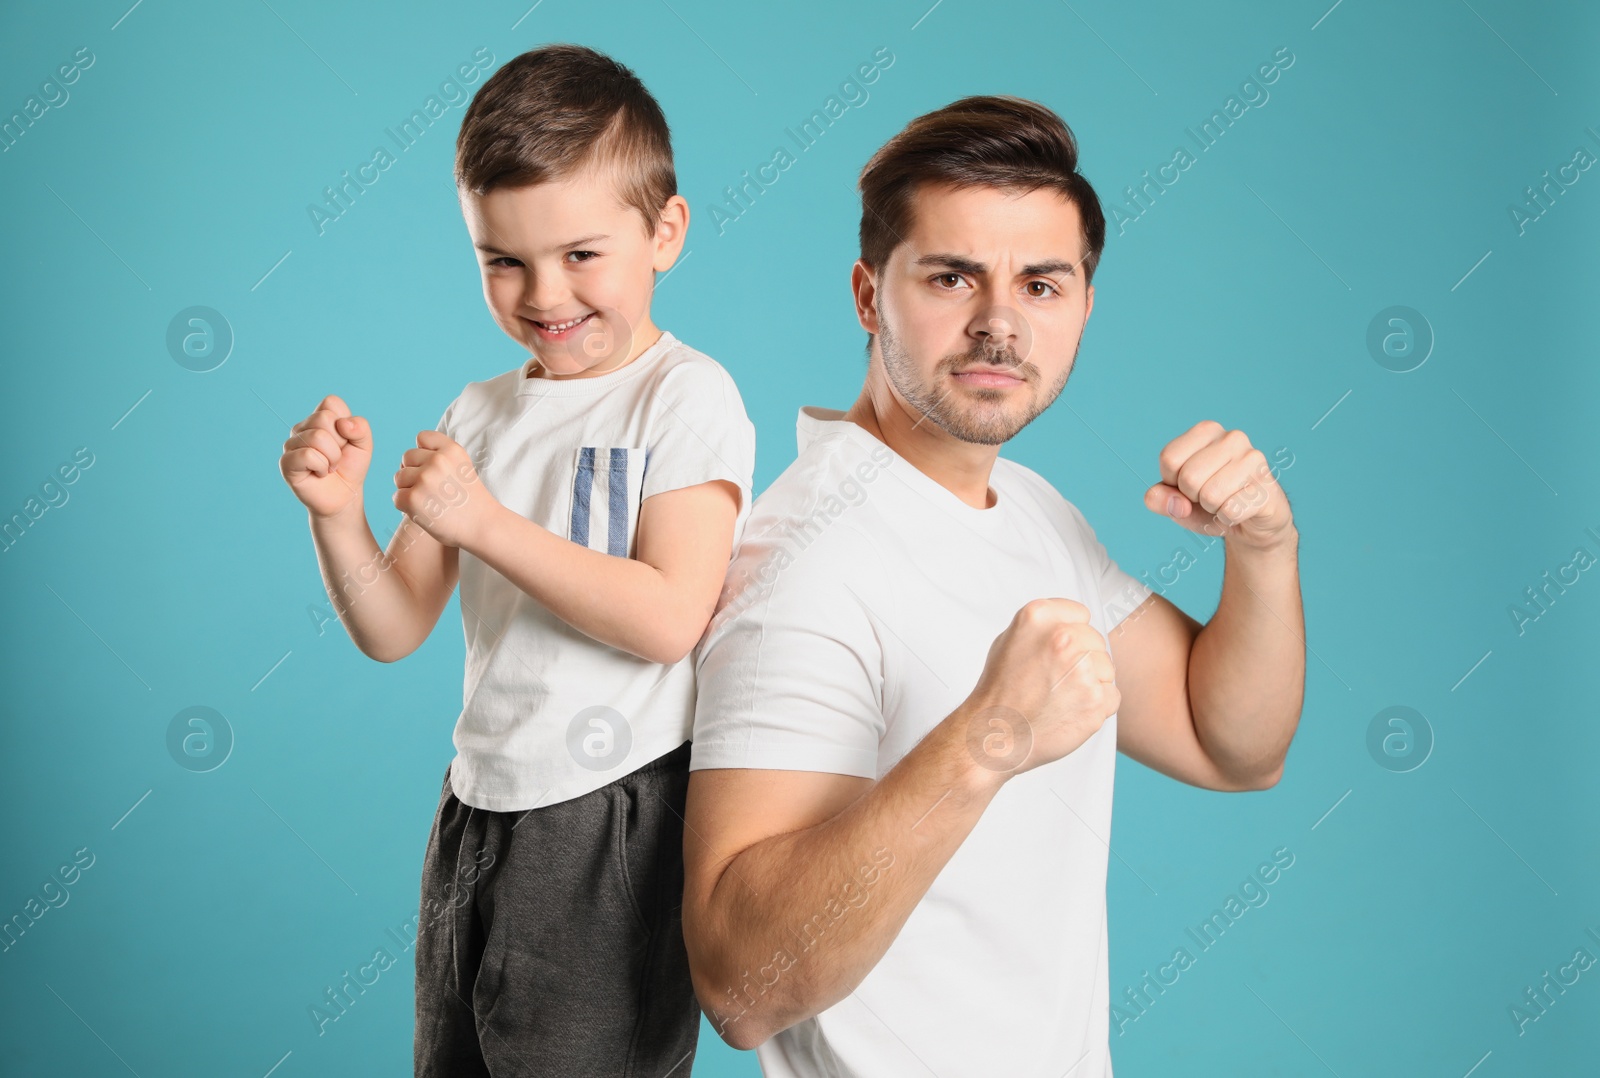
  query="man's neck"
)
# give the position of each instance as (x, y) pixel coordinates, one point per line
(962, 468)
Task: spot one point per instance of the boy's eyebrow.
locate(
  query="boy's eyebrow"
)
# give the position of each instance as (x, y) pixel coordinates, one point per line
(581, 241)
(962, 264)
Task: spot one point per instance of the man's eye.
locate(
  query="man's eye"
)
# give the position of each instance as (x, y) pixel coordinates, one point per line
(954, 279)
(1046, 289)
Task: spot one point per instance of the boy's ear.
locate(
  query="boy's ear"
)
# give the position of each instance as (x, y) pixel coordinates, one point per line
(672, 228)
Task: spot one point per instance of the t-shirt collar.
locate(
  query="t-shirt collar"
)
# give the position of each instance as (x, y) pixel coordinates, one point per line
(815, 422)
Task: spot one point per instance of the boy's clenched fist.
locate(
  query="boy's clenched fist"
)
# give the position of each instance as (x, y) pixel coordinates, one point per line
(437, 486)
(325, 458)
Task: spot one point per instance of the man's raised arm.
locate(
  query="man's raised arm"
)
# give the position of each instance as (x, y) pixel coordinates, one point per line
(1217, 706)
(796, 882)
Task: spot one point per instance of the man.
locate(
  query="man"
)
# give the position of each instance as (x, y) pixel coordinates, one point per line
(900, 798)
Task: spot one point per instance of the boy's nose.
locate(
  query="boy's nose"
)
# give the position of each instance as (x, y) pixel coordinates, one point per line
(544, 294)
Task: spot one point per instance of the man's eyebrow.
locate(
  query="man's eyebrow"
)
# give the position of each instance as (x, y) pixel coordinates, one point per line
(1053, 265)
(581, 241)
(962, 264)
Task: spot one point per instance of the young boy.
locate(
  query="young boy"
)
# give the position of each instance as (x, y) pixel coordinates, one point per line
(590, 500)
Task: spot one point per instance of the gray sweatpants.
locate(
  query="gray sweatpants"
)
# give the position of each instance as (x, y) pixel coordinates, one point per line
(550, 942)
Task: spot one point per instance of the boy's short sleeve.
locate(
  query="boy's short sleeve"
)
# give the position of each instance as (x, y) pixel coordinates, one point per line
(790, 675)
(699, 432)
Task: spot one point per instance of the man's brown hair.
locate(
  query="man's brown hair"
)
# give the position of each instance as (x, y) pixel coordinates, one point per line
(986, 141)
(553, 110)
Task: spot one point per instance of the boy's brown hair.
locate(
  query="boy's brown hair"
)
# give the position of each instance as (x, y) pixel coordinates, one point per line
(553, 110)
(986, 141)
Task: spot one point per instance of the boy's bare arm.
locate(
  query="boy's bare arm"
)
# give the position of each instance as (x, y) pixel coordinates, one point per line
(388, 602)
(655, 605)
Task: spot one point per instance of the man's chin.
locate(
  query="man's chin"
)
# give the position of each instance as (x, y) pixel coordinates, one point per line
(983, 427)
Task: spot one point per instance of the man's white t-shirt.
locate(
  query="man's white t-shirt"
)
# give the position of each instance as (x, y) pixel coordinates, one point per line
(857, 614)
(549, 713)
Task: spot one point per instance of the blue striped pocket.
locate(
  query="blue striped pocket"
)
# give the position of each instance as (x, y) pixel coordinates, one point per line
(606, 485)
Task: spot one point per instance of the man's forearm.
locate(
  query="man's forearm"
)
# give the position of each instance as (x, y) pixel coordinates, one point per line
(795, 922)
(377, 607)
(623, 602)
(1247, 665)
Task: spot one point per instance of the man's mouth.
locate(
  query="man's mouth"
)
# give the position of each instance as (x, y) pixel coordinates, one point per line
(559, 331)
(988, 377)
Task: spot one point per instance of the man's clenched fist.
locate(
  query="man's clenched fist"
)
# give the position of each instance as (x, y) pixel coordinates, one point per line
(1214, 481)
(1046, 688)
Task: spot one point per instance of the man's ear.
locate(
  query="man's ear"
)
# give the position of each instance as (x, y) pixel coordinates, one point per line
(864, 287)
(1088, 307)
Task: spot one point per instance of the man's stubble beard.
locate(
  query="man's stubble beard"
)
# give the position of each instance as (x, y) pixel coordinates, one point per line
(984, 421)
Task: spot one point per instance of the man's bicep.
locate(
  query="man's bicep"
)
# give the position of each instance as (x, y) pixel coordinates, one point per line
(789, 703)
(1155, 725)
(731, 809)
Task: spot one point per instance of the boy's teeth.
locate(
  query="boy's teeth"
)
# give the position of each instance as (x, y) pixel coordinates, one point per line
(557, 327)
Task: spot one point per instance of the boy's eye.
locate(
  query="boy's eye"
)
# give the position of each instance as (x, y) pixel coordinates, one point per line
(505, 260)
(580, 256)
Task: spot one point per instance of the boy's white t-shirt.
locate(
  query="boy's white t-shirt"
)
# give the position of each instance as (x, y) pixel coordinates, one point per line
(549, 713)
(858, 614)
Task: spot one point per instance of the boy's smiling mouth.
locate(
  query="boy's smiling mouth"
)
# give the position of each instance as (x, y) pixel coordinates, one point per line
(559, 331)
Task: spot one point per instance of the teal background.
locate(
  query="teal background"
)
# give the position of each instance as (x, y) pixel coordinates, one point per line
(1421, 903)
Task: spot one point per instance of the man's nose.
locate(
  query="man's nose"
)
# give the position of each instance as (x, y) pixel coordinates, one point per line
(1000, 327)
